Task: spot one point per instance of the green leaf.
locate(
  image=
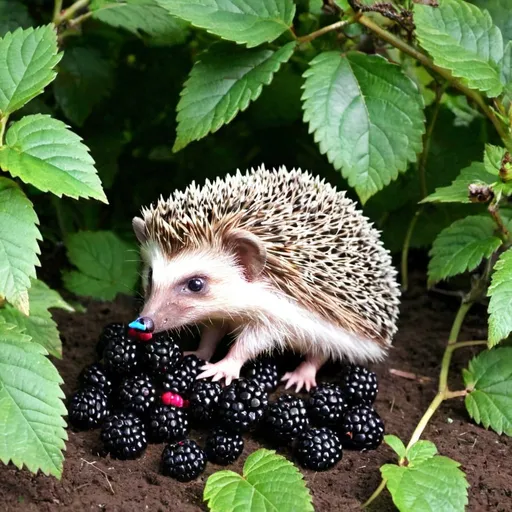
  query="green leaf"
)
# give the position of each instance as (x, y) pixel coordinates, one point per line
(13, 15)
(396, 444)
(18, 244)
(106, 265)
(39, 325)
(489, 377)
(500, 14)
(421, 451)
(223, 82)
(500, 305)
(85, 78)
(492, 158)
(31, 425)
(143, 18)
(462, 38)
(42, 151)
(27, 59)
(252, 22)
(433, 485)
(506, 67)
(462, 246)
(366, 115)
(269, 483)
(457, 192)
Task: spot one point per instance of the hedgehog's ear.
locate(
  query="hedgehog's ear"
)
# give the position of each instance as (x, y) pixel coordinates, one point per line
(140, 229)
(249, 251)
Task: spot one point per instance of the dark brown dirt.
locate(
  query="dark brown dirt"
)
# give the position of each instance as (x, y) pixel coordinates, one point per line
(91, 482)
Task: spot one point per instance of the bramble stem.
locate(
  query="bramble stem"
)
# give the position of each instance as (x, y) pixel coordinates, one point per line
(473, 343)
(494, 210)
(57, 7)
(329, 28)
(379, 489)
(420, 427)
(3, 125)
(457, 322)
(71, 11)
(405, 250)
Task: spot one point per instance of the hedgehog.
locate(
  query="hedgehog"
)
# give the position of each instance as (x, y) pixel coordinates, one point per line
(281, 260)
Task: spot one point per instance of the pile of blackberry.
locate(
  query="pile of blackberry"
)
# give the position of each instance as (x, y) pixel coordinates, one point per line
(142, 390)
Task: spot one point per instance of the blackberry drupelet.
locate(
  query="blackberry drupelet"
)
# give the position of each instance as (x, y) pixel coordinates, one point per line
(184, 461)
(242, 405)
(318, 449)
(87, 408)
(224, 447)
(167, 423)
(286, 418)
(203, 400)
(326, 405)
(111, 331)
(161, 354)
(264, 372)
(361, 428)
(124, 436)
(96, 376)
(121, 356)
(183, 376)
(359, 385)
(137, 394)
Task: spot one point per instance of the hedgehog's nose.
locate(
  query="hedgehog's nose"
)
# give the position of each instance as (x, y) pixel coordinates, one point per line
(143, 323)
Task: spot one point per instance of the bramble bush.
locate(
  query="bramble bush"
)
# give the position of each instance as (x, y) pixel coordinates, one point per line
(407, 104)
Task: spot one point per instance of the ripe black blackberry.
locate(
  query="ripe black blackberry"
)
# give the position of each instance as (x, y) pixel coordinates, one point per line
(359, 385)
(96, 376)
(181, 378)
(124, 436)
(203, 400)
(137, 394)
(264, 372)
(318, 449)
(242, 405)
(161, 354)
(361, 428)
(110, 332)
(121, 356)
(183, 461)
(87, 408)
(224, 447)
(326, 405)
(167, 423)
(286, 418)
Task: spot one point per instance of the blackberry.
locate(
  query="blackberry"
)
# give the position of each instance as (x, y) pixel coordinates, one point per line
(161, 354)
(121, 356)
(224, 447)
(318, 449)
(326, 405)
(137, 394)
(264, 372)
(97, 377)
(183, 461)
(87, 408)
(124, 436)
(167, 423)
(203, 400)
(110, 332)
(286, 418)
(359, 385)
(362, 428)
(180, 379)
(242, 405)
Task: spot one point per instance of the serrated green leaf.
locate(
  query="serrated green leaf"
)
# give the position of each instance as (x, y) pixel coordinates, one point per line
(43, 152)
(269, 483)
(13, 15)
(462, 38)
(18, 244)
(223, 82)
(489, 377)
(457, 192)
(396, 444)
(31, 425)
(106, 265)
(420, 451)
(434, 485)
(366, 115)
(143, 18)
(27, 59)
(492, 158)
(506, 67)
(462, 246)
(85, 78)
(500, 13)
(252, 22)
(500, 305)
(39, 325)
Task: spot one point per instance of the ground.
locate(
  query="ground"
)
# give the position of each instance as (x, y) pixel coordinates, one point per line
(91, 482)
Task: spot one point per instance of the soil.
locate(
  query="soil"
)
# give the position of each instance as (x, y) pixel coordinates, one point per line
(92, 482)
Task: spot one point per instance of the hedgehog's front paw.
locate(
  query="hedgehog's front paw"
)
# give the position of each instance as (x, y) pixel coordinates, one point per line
(304, 376)
(227, 368)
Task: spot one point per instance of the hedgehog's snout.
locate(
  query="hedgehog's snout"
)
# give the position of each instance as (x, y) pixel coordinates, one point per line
(144, 324)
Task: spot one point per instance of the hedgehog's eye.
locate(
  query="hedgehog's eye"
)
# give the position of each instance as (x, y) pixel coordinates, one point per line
(195, 284)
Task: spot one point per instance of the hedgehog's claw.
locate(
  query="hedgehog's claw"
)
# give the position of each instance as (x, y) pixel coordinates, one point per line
(227, 369)
(303, 376)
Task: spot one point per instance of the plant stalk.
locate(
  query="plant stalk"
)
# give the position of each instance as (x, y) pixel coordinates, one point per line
(405, 250)
(372, 498)
(329, 28)
(3, 125)
(473, 343)
(57, 8)
(71, 11)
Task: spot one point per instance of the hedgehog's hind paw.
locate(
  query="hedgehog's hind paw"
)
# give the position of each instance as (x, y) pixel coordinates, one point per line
(304, 376)
(227, 369)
